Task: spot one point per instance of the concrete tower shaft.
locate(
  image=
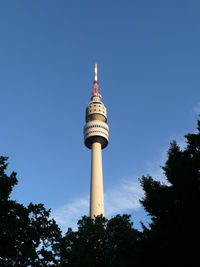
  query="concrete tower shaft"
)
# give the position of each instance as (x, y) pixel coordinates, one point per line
(96, 186)
(96, 136)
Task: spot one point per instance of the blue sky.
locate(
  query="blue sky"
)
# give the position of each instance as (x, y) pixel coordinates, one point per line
(148, 68)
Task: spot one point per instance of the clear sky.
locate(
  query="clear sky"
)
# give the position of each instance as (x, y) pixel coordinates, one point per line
(148, 55)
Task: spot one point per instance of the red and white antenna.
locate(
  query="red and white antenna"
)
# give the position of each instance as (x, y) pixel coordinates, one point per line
(96, 83)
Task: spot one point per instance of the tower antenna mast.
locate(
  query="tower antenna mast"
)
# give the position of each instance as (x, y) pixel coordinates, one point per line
(96, 83)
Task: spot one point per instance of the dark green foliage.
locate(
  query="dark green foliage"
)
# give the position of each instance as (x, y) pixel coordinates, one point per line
(29, 238)
(100, 242)
(7, 183)
(122, 241)
(27, 235)
(86, 246)
(174, 232)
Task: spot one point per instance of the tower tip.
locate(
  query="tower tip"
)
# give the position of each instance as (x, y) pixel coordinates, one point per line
(95, 72)
(95, 90)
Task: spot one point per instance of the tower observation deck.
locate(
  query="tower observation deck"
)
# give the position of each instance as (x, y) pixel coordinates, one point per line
(96, 135)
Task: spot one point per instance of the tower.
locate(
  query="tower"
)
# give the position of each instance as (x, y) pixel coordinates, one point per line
(96, 133)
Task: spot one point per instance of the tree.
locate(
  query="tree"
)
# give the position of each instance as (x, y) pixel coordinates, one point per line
(27, 236)
(174, 207)
(99, 242)
(122, 241)
(86, 246)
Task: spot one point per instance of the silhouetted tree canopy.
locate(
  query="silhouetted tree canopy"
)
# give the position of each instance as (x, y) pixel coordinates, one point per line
(29, 238)
(174, 233)
(101, 242)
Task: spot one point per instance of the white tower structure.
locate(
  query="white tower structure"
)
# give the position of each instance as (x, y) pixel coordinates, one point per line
(96, 133)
